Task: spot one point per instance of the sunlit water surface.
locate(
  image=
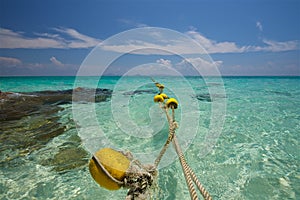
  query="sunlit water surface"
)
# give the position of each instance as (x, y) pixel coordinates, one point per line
(255, 157)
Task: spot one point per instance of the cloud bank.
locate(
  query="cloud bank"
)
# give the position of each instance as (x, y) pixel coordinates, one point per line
(12, 40)
(9, 61)
(67, 38)
(154, 43)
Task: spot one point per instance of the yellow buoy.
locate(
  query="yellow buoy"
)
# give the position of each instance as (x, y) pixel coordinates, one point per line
(115, 163)
(164, 95)
(158, 98)
(172, 102)
(160, 86)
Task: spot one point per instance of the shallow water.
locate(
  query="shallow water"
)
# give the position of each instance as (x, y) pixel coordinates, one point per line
(255, 157)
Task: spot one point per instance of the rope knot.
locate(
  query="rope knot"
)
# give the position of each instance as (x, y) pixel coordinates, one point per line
(139, 179)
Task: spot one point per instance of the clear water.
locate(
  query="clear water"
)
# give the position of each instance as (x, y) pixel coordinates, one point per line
(255, 157)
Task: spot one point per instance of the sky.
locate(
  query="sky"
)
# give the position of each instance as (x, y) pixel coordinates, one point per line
(243, 38)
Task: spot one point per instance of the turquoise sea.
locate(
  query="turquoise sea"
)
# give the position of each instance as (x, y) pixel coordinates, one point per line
(239, 134)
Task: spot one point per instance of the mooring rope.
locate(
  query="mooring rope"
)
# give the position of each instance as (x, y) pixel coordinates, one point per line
(189, 174)
(201, 188)
(185, 169)
(139, 178)
(163, 150)
(172, 128)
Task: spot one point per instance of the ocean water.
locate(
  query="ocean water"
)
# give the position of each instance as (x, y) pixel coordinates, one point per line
(239, 134)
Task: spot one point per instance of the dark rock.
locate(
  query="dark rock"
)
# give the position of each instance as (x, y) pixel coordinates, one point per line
(209, 97)
(28, 121)
(77, 95)
(140, 92)
(14, 106)
(203, 97)
(68, 158)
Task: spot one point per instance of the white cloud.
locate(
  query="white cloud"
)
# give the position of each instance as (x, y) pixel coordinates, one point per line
(56, 62)
(200, 65)
(11, 40)
(79, 40)
(259, 26)
(212, 46)
(274, 46)
(8, 61)
(132, 23)
(156, 46)
(152, 69)
(164, 62)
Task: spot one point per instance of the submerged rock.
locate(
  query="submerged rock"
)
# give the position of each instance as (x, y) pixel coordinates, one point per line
(203, 97)
(28, 121)
(77, 95)
(68, 158)
(14, 106)
(131, 93)
(209, 97)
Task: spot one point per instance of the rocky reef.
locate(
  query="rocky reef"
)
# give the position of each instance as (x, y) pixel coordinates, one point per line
(28, 121)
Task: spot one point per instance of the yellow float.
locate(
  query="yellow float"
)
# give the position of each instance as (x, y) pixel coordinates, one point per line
(164, 95)
(172, 102)
(114, 162)
(160, 86)
(158, 98)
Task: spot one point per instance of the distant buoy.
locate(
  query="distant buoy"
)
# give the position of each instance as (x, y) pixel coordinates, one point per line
(164, 95)
(160, 86)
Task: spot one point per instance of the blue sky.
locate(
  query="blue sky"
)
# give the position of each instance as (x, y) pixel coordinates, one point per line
(251, 37)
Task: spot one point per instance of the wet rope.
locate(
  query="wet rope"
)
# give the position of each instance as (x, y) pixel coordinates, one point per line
(139, 178)
(201, 188)
(189, 174)
(185, 169)
(172, 137)
(172, 128)
(163, 150)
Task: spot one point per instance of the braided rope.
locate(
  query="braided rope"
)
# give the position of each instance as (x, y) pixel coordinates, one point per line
(185, 169)
(164, 149)
(188, 172)
(201, 188)
(172, 128)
